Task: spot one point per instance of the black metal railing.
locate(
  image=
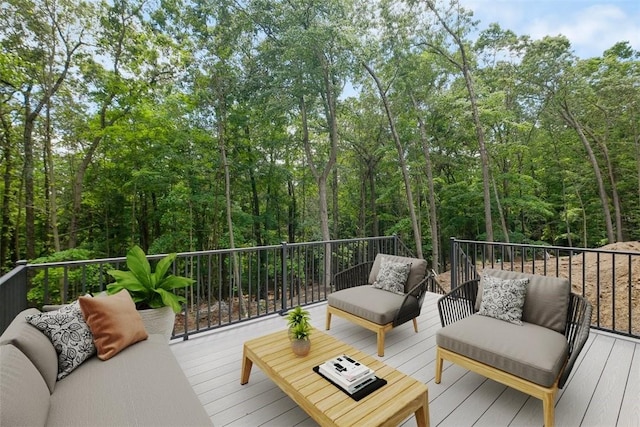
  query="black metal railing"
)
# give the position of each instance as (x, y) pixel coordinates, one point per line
(230, 286)
(609, 279)
(13, 291)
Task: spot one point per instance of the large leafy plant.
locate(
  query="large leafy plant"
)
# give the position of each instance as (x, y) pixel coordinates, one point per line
(149, 289)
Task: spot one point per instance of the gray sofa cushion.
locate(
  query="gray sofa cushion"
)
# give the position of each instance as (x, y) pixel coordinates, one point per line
(24, 396)
(417, 273)
(375, 305)
(546, 302)
(34, 344)
(529, 351)
(154, 393)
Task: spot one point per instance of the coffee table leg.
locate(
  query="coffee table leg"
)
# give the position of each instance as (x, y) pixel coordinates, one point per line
(246, 367)
(422, 414)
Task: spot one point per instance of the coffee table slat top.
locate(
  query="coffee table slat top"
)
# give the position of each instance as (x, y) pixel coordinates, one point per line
(401, 397)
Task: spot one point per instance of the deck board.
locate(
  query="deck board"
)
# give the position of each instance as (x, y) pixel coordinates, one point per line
(602, 390)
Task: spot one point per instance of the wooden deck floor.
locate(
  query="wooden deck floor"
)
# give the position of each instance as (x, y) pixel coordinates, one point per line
(603, 390)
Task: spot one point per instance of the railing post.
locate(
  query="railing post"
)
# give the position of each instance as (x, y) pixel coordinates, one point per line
(284, 256)
(454, 262)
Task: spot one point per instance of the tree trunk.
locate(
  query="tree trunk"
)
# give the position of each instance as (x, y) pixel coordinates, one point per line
(50, 187)
(373, 207)
(433, 211)
(292, 208)
(5, 242)
(255, 199)
(604, 199)
(503, 222)
(615, 198)
(334, 202)
(403, 166)
(321, 181)
(30, 231)
(221, 117)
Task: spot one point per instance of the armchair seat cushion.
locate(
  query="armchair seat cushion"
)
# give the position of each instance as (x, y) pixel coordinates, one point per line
(529, 351)
(376, 305)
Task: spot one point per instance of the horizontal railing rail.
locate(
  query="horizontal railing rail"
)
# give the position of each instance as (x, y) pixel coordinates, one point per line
(609, 279)
(230, 285)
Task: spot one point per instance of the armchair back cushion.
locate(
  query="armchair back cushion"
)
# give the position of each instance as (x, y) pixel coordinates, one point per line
(416, 274)
(546, 301)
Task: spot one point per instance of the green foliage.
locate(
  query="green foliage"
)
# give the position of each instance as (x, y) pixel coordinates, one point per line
(301, 331)
(51, 281)
(149, 289)
(136, 138)
(298, 322)
(298, 316)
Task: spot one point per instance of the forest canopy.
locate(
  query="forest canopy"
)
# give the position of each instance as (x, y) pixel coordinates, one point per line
(186, 125)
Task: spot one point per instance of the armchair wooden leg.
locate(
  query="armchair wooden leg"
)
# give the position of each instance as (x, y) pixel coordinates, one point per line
(415, 324)
(438, 366)
(548, 409)
(328, 324)
(381, 342)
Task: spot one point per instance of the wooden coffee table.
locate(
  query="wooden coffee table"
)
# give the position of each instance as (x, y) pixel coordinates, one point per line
(387, 406)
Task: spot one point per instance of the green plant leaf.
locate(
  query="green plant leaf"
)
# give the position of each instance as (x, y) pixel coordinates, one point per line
(162, 267)
(175, 282)
(126, 280)
(114, 288)
(139, 265)
(148, 288)
(172, 300)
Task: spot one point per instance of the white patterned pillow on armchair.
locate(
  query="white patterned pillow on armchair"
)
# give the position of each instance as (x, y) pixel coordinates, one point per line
(392, 276)
(503, 299)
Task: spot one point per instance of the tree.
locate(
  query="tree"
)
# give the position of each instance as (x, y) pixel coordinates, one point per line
(461, 20)
(51, 35)
(554, 73)
(401, 160)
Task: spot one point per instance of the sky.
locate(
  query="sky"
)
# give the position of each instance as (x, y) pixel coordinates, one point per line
(591, 26)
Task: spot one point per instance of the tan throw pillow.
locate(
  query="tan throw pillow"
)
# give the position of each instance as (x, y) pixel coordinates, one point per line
(114, 321)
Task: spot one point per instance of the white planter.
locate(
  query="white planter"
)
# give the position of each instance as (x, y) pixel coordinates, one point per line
(158, 320)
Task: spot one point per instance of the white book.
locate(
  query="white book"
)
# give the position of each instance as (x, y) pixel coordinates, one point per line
(349, 386)
(348, 368)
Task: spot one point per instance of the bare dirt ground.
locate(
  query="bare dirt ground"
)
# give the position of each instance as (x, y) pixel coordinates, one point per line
(612, 291)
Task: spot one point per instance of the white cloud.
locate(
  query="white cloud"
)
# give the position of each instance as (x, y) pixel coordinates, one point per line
(592, 26)
(591, 30)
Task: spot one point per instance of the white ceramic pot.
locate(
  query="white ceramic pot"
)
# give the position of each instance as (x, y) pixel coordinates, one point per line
(158, 320)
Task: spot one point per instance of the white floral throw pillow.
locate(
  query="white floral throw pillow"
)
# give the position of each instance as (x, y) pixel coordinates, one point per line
(503, 298)
(392, 276)
(69, 334)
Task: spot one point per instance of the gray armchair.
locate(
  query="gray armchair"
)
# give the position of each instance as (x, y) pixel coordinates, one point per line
(378, 310)
(535, 357)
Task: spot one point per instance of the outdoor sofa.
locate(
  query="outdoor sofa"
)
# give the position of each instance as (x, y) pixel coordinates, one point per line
(532, 348)
(142, 385)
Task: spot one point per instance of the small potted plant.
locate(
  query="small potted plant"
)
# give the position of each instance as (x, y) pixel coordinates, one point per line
(299, 331)
(153, 292)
